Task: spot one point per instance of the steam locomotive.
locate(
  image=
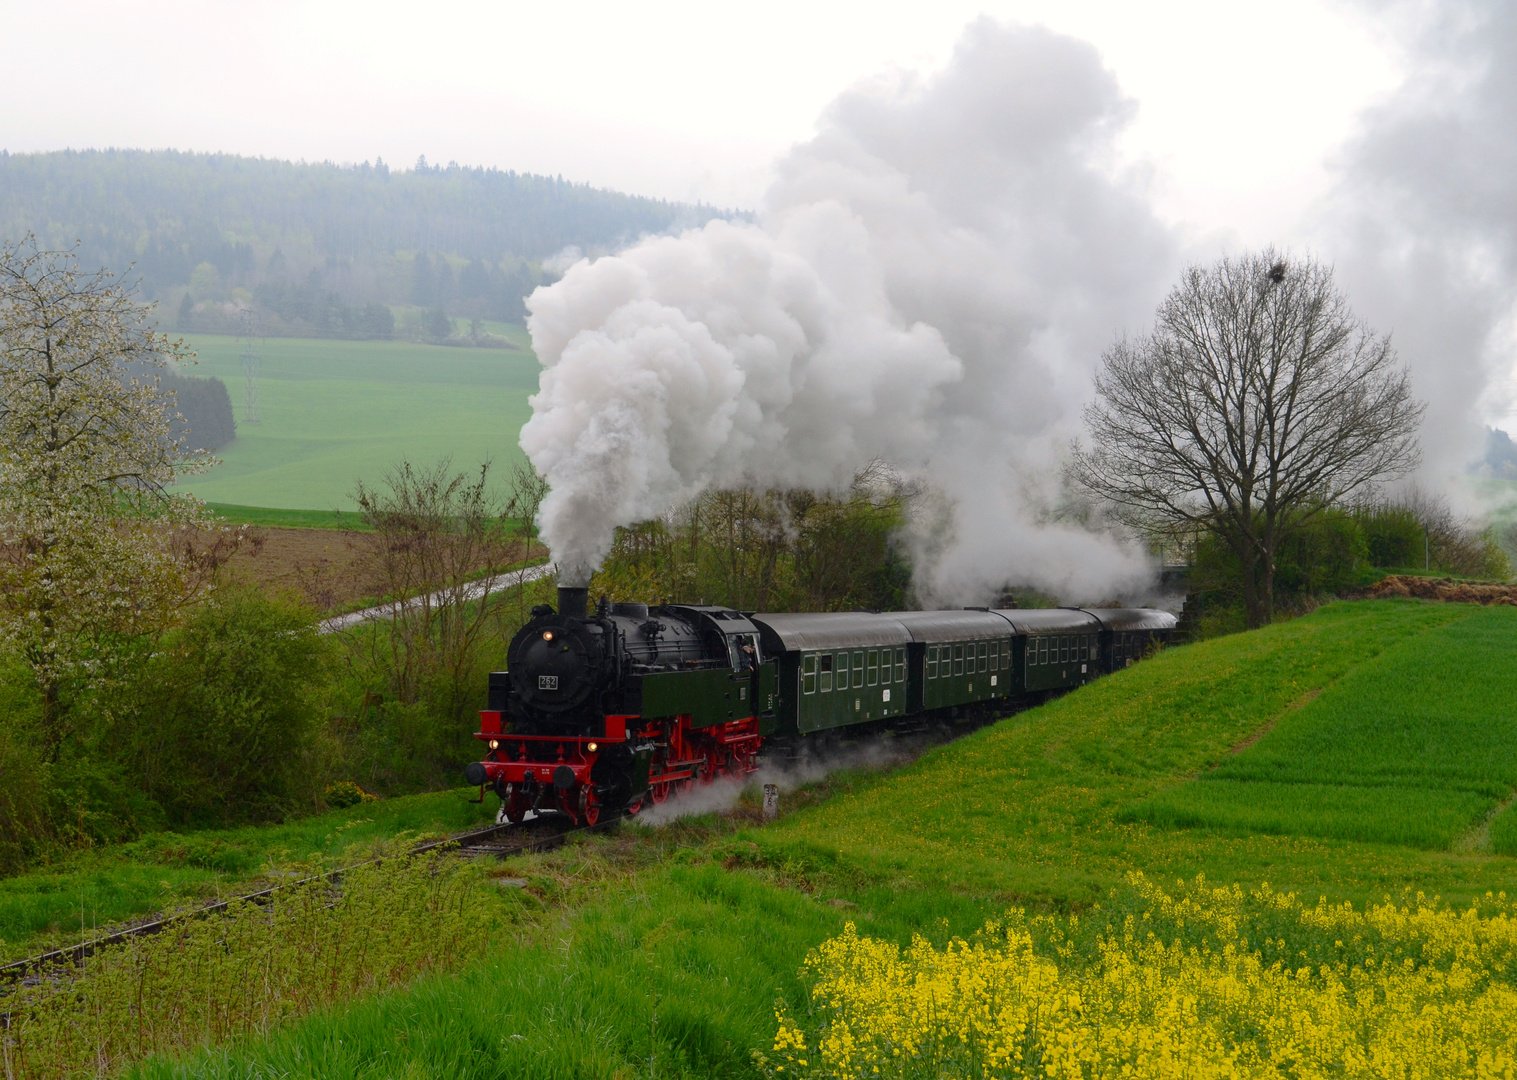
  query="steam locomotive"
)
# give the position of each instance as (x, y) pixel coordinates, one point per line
(606, 713)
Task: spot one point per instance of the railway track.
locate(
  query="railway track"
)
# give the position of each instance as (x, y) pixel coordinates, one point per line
(498, 841)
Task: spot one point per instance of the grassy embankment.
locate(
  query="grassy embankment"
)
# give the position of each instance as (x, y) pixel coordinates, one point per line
(673, 970)
(66, 902)
(335, 412)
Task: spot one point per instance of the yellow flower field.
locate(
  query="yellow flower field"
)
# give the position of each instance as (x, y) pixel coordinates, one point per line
(1173, 986)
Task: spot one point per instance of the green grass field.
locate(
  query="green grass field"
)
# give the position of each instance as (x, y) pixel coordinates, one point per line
(672, 967)
(271, 518)
(336, 412)
(1414, 747)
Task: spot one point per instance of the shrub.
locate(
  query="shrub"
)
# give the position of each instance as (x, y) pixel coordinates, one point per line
(345, 793)
(25, 827)
(223, 724)
(1393, 536)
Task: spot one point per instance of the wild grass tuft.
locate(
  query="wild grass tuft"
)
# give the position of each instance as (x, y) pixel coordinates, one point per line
(241, 973)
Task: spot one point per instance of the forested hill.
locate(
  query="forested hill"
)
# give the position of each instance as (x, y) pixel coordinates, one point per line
(220, 228)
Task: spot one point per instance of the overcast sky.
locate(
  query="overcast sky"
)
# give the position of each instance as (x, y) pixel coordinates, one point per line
(1250, 123)
(1237, 106)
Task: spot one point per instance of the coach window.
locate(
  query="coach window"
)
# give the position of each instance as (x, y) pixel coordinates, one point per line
(983, 652)
(808, 674)
(932, 661)
(1030, 651)
(842, 674)
(858, 667)
(1042, 650)
(958, 659)
(900, 665)
(826, 672)
(874, 666)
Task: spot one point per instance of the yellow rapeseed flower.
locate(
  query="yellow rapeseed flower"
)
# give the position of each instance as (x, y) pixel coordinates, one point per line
(1426, 995)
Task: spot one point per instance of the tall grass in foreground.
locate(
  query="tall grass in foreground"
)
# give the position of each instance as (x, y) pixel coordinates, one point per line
(1173, 986)
(209, 980)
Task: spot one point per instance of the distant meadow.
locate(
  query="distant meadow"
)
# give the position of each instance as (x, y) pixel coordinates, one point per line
(333, 412)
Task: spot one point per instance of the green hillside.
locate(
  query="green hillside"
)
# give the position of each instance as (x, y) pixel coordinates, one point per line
(1062, 801)
(671, 964)
(335, 412)
(1413, 748)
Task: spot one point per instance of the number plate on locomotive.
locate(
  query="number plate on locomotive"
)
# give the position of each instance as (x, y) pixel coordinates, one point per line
(547, 682)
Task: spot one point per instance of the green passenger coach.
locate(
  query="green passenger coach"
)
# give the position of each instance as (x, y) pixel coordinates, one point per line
(962, 657)
(836, 668)
(1060, 647)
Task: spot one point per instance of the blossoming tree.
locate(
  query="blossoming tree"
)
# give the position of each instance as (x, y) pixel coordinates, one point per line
(95, 552)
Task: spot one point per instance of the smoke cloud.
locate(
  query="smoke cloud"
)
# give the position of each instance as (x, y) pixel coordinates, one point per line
(931, 281)
(1424, 223)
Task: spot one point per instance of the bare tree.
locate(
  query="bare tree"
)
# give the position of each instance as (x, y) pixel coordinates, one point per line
(1258, 399)
(437, 537)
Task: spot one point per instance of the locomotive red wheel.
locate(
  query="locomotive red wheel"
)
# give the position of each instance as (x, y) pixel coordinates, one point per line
(659, 792)
(633, 807)
(590, 814)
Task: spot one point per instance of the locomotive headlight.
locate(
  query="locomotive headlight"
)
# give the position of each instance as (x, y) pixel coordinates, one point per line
(592, 747)
(494, 744)
(547, 635)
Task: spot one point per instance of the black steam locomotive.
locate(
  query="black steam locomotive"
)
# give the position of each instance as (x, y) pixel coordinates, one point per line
(604, 713)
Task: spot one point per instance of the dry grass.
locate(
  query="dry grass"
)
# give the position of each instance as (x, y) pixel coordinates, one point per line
(1446, 589)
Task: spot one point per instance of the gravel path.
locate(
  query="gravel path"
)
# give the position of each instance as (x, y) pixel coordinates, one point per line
(474, 591)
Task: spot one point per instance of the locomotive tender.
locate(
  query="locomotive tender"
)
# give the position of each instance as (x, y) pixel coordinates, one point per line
(606, 712)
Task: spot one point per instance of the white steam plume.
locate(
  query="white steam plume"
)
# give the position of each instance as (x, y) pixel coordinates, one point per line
(1424, 223)
(931, 282)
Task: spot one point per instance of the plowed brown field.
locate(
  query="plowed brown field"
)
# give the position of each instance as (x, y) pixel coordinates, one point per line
(319, 565)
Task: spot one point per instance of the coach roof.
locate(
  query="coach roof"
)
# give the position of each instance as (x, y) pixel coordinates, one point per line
(830, 630)
(1126, 619)
(1050, 620)
(931, 626)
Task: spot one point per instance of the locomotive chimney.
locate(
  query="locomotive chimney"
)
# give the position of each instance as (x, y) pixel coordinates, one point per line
(573, 600)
